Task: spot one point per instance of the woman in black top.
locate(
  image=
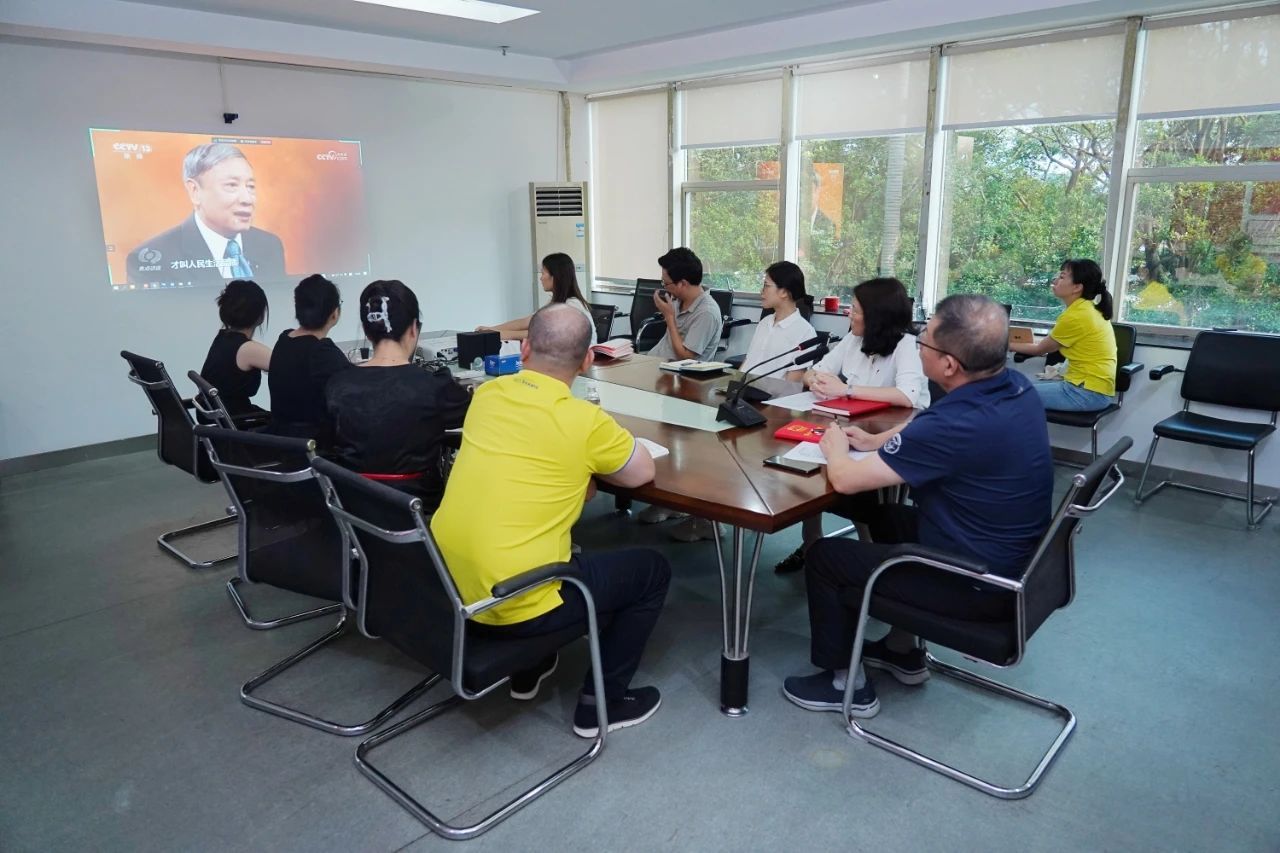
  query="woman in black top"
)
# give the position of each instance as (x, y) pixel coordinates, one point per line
(303, 361)
(390, 415)
(235, 361)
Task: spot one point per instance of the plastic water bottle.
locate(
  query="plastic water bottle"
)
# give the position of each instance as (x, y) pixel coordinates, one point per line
(591, 391)
(477, 364)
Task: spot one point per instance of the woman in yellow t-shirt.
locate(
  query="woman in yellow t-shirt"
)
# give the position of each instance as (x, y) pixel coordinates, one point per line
(1084, 335)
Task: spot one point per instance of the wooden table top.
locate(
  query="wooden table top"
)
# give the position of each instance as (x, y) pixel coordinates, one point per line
(721, 475)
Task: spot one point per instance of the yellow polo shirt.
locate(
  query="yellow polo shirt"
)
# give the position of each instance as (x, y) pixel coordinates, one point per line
(528, 449)
(1089, 344)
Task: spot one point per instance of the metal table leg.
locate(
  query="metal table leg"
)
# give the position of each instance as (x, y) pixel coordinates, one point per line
(735, 597)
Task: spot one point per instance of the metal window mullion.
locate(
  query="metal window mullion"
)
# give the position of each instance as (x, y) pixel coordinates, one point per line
(1115, 240)
(729, 186)
(927, 249)
(675, 168)
(788, 173)
(1265, 172)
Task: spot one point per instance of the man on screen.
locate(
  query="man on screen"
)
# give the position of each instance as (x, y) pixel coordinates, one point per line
(218, 241)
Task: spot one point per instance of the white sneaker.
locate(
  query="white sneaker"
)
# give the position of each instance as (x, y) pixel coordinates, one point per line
(694, 530)
(653, 514)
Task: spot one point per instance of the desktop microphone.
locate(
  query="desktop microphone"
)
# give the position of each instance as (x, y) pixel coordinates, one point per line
(739, 412)
(738, 386)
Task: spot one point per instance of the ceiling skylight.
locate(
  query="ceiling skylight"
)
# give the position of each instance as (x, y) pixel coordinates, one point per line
(474, 10)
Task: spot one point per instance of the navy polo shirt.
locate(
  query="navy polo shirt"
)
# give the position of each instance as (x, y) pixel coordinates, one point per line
(980, 471)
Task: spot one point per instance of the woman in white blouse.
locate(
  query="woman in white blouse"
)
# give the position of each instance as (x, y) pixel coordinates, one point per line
(558, 278)
(780, 332)
(877, 360)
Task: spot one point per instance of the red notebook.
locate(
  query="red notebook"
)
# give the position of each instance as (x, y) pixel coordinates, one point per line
(849, 407)
(800, 431)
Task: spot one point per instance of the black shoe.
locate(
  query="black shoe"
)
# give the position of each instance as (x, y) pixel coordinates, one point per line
(817, 693)
(632, 709)
(907, 667)
(524, 685)
(792, 563)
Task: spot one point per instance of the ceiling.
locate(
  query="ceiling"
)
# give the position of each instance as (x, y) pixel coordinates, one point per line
(564, 29)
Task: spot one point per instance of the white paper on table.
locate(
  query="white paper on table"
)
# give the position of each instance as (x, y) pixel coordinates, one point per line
(657, 451)
(808, 451)
(801, 402)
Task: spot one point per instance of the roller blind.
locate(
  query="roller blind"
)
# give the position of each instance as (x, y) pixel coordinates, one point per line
(732, 114)
(629, 184)
(877, 100)
(1223, 66)
(1034, 83)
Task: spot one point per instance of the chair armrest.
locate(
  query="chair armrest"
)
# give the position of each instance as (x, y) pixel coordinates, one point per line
(924, 552)
(527, 580)
(1132, 369)
(1163, 370)
(252, 420)
(621, 314)
(188, 403)
(733, 324)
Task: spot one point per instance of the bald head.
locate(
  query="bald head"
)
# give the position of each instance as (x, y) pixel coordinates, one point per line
(559, 335)
(974, 329)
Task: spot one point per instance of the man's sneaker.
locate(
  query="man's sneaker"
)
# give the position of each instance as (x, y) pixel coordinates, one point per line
(653, 514)
(632, 709)
(693, 530)
(524, 685)
(793, 562)
(817, 693)
(907, 667)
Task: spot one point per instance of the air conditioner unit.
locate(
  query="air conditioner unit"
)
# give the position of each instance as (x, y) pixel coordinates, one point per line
(560, 224)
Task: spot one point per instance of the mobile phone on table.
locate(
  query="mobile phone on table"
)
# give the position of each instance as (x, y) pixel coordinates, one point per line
(798, 466)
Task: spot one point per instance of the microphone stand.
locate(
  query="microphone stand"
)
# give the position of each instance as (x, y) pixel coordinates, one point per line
(737, 411)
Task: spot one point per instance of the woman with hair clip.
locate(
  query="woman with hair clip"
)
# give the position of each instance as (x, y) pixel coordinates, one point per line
(389, 415)
(877, 360)
(235, 361)
(559, 279)
(303, 362)
(1083, 334)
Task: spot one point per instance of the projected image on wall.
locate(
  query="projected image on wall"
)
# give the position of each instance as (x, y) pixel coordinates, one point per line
(188, 209)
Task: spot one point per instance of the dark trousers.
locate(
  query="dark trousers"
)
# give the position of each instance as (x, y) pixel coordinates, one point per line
(836, 574)
(628, 588)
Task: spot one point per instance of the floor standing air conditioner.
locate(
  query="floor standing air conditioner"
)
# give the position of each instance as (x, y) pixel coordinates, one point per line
(560, 224)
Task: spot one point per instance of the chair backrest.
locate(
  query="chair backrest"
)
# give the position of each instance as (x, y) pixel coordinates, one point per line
(1236, 369)
(1049, 582)
(175, 441)
(1126, 343)
(208, 402)
(288, 538)
(724, 301)
(642, 303)
(406, 596)
(602, 316)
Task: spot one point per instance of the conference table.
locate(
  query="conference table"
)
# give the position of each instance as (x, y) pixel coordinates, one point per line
(716, 471)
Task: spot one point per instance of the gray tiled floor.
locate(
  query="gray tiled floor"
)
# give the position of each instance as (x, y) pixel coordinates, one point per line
(119, 673)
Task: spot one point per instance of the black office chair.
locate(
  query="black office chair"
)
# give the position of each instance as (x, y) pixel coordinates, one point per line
(176, 445)
(647, 326)
(1126, 369)
(210, 409)
(602, 316)
(288, 539)
(1048, 584)
(408, 598)
(1234, 369)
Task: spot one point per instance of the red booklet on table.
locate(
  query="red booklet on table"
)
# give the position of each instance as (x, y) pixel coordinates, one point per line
(849, 407)
(800, 431)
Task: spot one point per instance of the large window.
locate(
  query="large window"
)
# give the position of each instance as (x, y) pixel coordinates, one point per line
(1027, 166)
(1204, 193)
(730, 144)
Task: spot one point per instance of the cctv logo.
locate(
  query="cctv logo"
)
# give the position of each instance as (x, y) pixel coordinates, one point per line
(340, 156)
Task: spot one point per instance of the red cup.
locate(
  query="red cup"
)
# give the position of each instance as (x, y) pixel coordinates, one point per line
(831, 303)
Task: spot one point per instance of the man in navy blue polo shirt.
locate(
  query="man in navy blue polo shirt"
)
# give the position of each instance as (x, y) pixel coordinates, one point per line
(981, 476)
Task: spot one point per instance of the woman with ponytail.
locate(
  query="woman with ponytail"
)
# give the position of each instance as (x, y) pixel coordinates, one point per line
(390, 415)
(1084, 335)
(558, 278)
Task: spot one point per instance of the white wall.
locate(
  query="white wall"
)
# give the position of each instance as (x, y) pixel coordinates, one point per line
(446, 176)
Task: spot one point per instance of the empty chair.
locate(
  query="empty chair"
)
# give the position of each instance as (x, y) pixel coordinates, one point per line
(1234, 369)
(724, 301)
(602, 316)
(408, 598)
(1047, 584)
(289, 540)
(176, 445)
(647, 327)
(1126, 369)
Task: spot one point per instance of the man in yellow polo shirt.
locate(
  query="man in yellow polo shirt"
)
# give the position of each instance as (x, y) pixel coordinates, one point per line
(529, 451)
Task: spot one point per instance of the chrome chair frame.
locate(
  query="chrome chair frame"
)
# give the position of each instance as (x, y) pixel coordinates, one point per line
(461, 615)
(166, 540)
(1067, 509)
